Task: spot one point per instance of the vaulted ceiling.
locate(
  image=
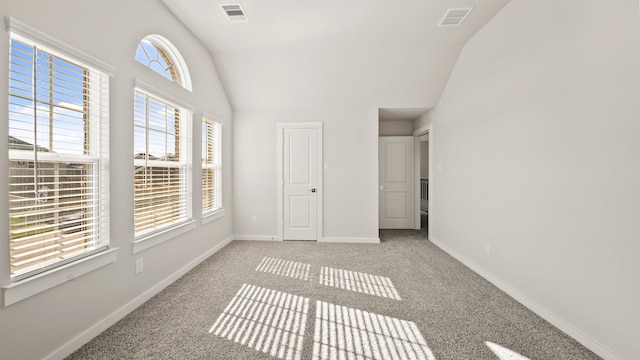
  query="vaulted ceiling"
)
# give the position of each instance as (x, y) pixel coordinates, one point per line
(296, 54)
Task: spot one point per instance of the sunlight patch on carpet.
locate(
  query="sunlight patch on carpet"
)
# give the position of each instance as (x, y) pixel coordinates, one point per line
(266, 320)
(360, 282)
(346, 333)
(503, 353)
(287, 268)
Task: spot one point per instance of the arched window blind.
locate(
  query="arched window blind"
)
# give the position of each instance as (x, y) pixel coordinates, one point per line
(158, 54)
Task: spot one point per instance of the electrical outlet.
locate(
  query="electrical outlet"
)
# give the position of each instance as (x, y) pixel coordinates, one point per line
(254, 220)
(139, 265)
(487, 248)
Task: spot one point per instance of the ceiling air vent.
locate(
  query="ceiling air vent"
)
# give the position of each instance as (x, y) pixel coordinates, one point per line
(235, 12)
(455, 17)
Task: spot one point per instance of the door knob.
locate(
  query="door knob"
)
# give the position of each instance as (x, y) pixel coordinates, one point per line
(381, 187)
(313, 190)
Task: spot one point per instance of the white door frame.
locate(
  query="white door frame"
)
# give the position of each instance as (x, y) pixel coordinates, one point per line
(417, 134)
(280, 172)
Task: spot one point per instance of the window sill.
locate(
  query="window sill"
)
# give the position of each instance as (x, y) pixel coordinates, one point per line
(28, 287)
(212, 217)
(154, 239)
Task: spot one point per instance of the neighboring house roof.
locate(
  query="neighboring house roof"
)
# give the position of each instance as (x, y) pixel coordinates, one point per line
(143, 156)
(18, 144)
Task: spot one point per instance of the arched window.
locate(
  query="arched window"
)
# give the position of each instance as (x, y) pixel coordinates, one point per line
(159, 55)
(162, 156)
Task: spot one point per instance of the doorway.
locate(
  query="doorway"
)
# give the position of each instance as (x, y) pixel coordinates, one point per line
(423, 196)
(423, 176)
(402, 122)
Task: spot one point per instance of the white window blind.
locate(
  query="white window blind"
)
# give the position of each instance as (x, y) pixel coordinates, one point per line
(58, 158)
(162, 164)
(211, 166)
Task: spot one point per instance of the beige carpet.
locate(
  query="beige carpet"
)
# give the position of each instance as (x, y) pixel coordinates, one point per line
(401, 299)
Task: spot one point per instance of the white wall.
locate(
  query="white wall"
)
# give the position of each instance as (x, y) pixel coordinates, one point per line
(350, 185)
(421, 122)
(538, 135)
(396, 128)
(110, 31)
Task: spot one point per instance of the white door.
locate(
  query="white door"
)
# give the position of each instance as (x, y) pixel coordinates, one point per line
(397, 201)
(300, 184)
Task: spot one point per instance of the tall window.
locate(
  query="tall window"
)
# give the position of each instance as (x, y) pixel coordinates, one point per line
(211, 166)
(58, 158)
(162, 164)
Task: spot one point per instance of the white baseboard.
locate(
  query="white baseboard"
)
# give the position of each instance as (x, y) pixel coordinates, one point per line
(568, 328)
(325, 239)
(352, 240)
(257, 238)
(111, 319)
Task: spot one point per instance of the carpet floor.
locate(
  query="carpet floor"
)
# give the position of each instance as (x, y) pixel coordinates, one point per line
(401, 299)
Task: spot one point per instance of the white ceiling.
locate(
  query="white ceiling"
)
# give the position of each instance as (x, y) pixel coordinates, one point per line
(296, 54)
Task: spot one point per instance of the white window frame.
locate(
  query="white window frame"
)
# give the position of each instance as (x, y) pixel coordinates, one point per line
(151, 238)
(22, 289)
(217, 166)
